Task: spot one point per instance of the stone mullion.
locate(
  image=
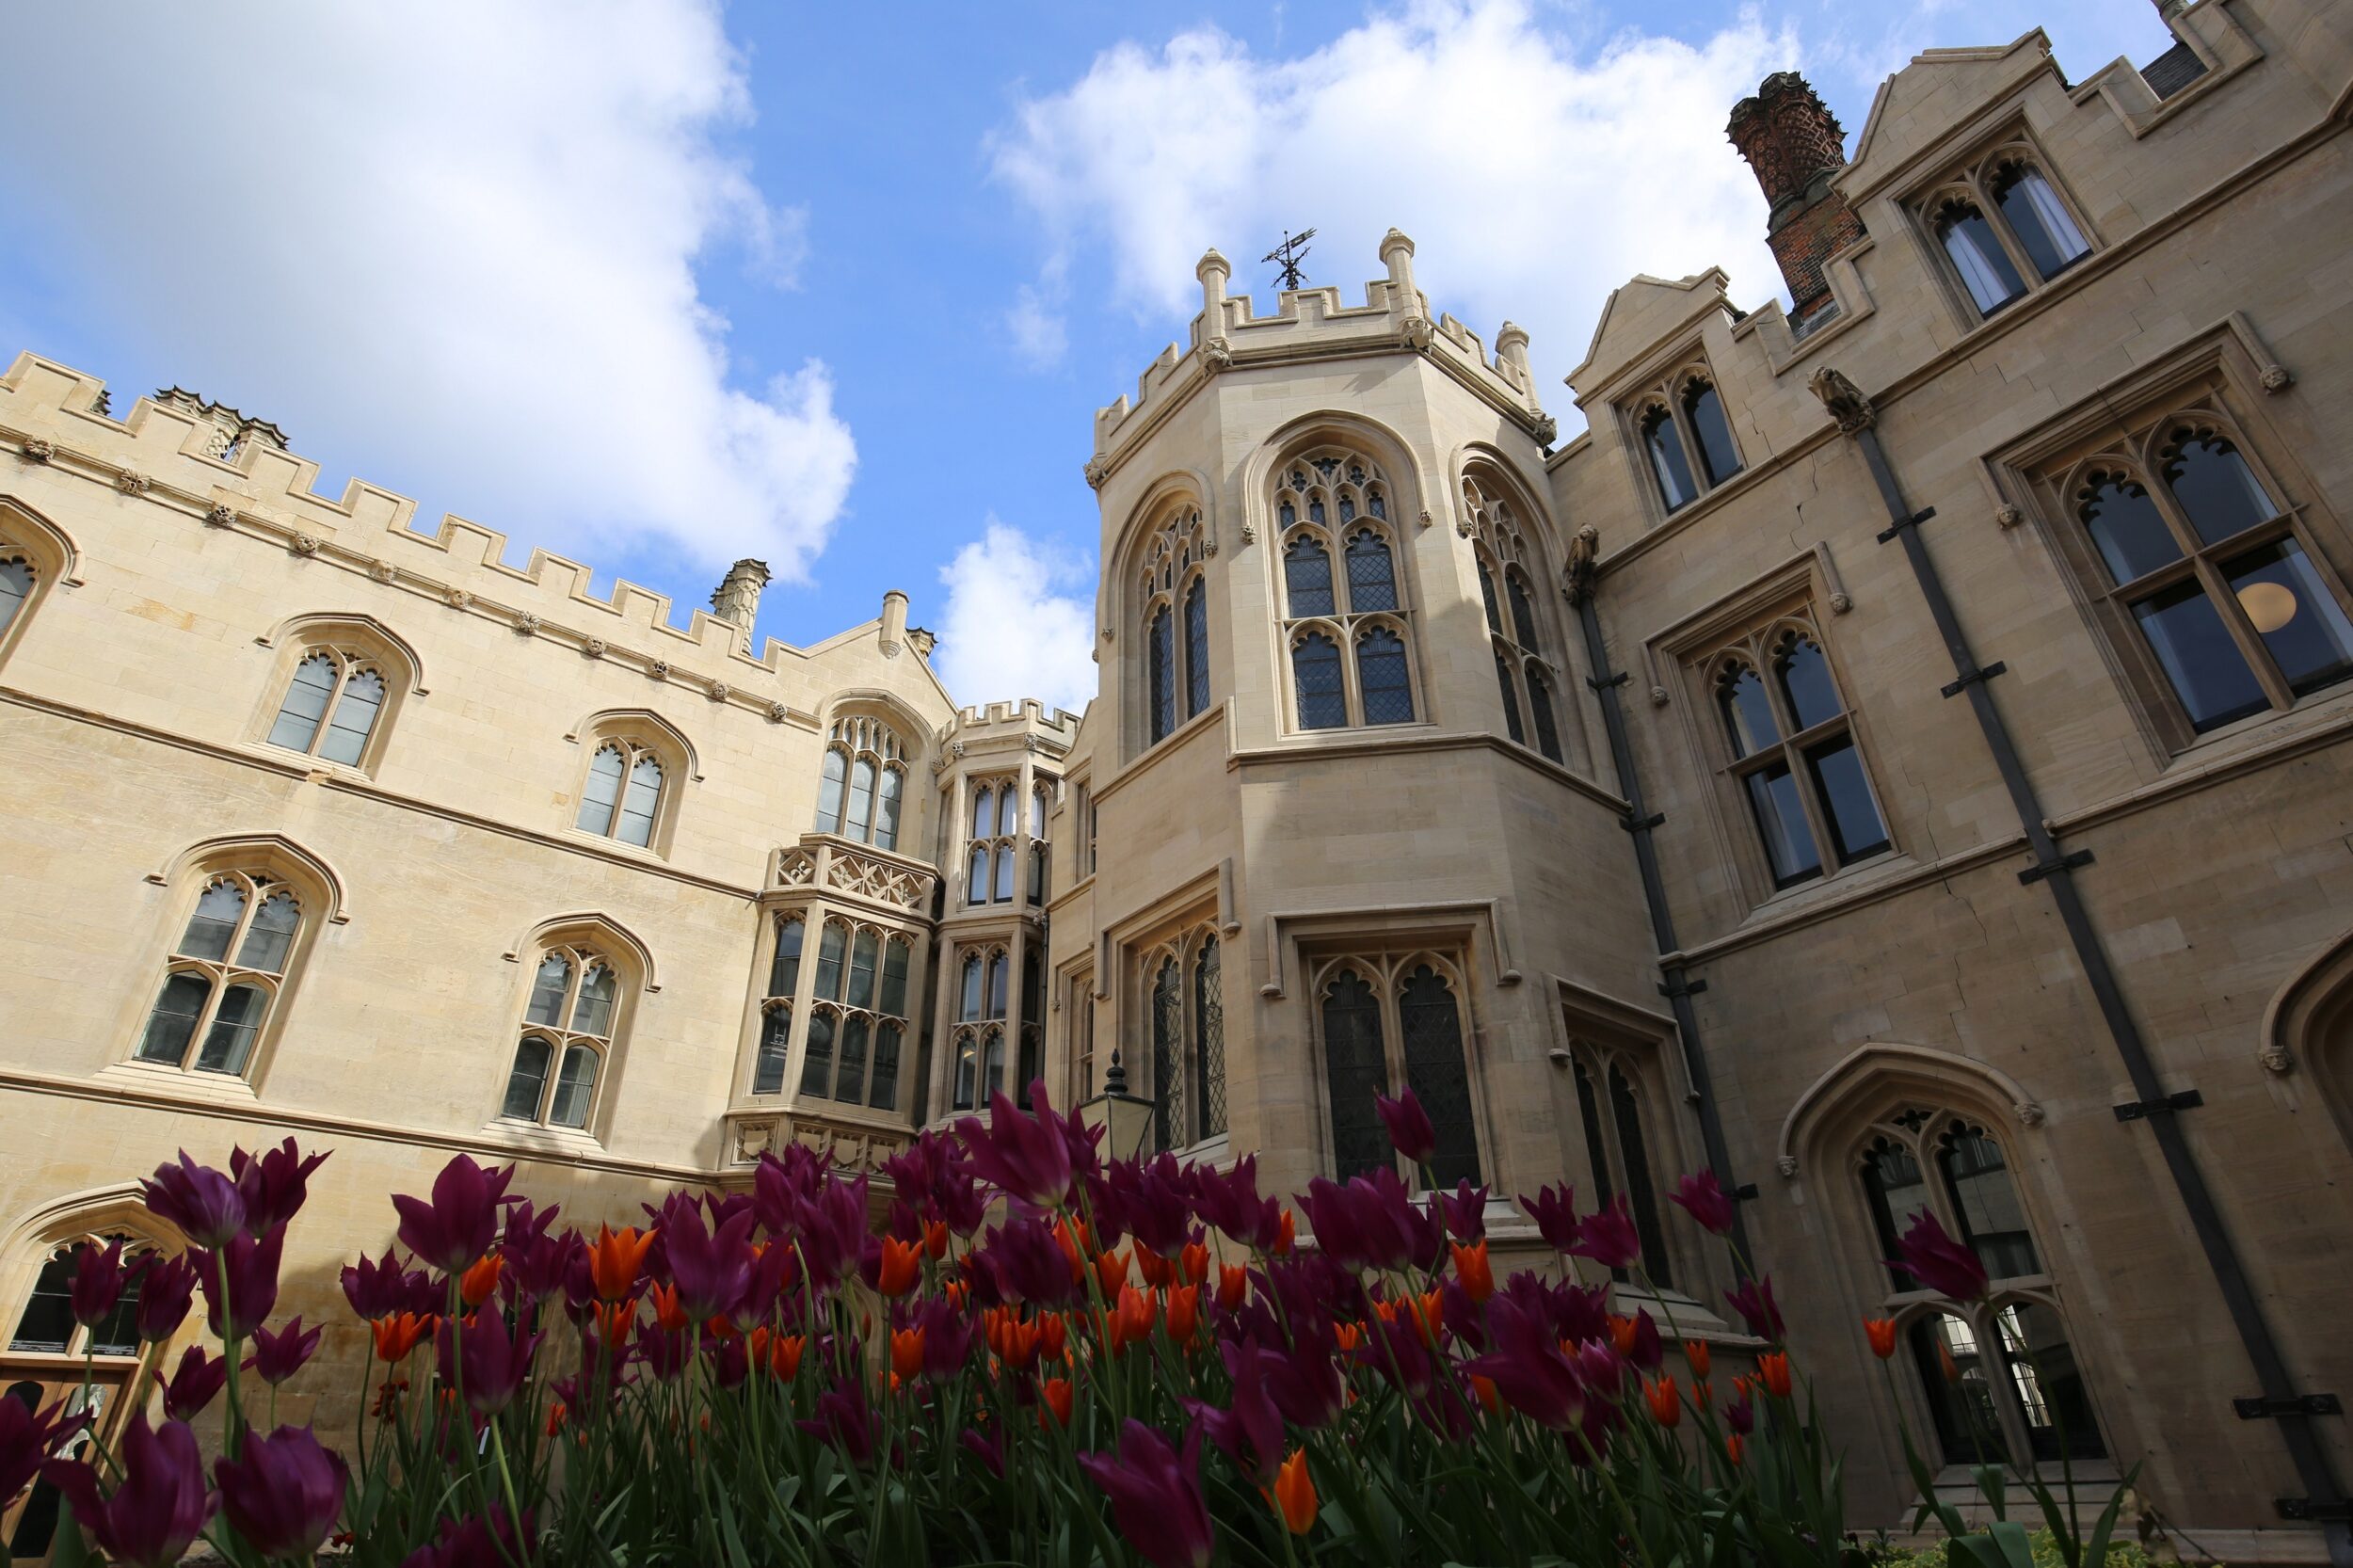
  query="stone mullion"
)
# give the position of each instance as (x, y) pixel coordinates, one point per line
(804, 993)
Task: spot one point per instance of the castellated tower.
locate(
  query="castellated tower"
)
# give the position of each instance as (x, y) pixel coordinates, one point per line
(1340, 781)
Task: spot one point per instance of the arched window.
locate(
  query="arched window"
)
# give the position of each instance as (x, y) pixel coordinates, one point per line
(1977, 254)
(1315, 668)
(1307, 575)
(1511, 700)
(1168, 1037)
(863, 782)
(991, 860)
(1381, 675)
(1196, 646)
(1540, 714)
(223, 975)
(776, 1021)
(1663, 441)
(622, 796)
(1208, 1041)
(46, 1326)
(857, 1023)
(1390, 1018)
(1610, 1107)
(1526, 678)
(1487, 594)
(1029, 1061)
(1718, 458)
(1330, 501)
(1163, 656)
(1523, 608)
(1372, 581)
(567, 1033)
(16, 587)
(2039, 218)
(977, 1038)
(1792, 755)
(2003, 227)
(332, 706)
(1174, 610)
(1998, 1377)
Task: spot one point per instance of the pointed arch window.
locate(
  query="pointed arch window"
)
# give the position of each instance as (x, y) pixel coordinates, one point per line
(854, 1036)
(1526, 668)
(1168, 1037)
(1664, 443)
(976, 1039)
(566, 1039)
(1174, 595)
(1208, 1040)
(1179, 1064)
(2044, 227)
(16, 587)
(1978, 259)
(224, 975)
(1704, 411)
(1684, 431)
(332, 706)
(1347, 619)
(1615, 1099)
(622, 796)
(2002, 225)
(992, 857)
(1322, 694)
(775, 1019)
(859, 792)
(1389, 1018)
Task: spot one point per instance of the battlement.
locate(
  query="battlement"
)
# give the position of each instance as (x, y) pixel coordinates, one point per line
(1028, 714)
(1312, 324)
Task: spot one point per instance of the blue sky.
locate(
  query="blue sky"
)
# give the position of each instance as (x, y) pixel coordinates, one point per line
(657, 283)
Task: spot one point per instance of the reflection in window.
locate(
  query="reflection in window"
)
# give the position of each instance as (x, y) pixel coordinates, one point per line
(330, 707)
(211, 1001)
(1977, 254)
(1669, 467)
(2035, 214)
(1718, 459)
(567, 1029)
(623, 794)
(1794, 757)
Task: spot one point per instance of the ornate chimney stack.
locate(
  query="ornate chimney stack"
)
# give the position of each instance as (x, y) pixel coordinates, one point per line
(894, 623)
(737, 599)
(1795, 144)
(231, 431)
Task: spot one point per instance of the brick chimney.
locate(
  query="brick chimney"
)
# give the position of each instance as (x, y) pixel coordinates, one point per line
(737, 599)
(1795, 144)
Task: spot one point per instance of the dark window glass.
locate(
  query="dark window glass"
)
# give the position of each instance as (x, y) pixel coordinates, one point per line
(1718, 459)
(1668, 465)
(1523, 609)
(1162, 647)
(1508, 688)
(1003, 892)
(2049, 1384)
(1747, 712)
(2216, 489)
(307, 694)
(830, 784)
(1781, 822)
(270, 935)
(976, 878)
(215, 923)
(1381, 674)
(1487, 596)
(2204, 665)
(983, 812)
(1168, 1027)
(16, 586)
(862, 802)
(894, 981)
(2128, 528)
(1961, 1403)
(886, 809)
(968, 1068)
(1308, 576)
(863, 954)
(784, 973)
(172, 1024)
(47, 1325)
(1372, 584)
(775, 1047)
(1197, 648)
(2041, 222)
(884, 1093)
(1356, 1070)
(970, 1006)
(528, 1081)
(228, 1044)
(1315, 668)
(1038, 873)
(1984, 266)
(1805, 681)
(593, 1013)
(1896, 1190)
(1208, 1039)
(2291, 609)
(575, 1087)
(849, 1084)
(1634, 1152)
(817, 1061)
(993, 1062)
(1992, 1220)
(829, 948)
(997, 998)
(548, 987)
(1435, 1067)
(1540, 714)
(1855, 828)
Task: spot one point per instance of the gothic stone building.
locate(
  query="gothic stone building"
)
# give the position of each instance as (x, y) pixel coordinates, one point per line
(1896, 756)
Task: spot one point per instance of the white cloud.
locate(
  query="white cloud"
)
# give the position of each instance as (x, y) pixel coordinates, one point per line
(1040, 339)
(1534, 175)
(457, 238)
(1009, 632)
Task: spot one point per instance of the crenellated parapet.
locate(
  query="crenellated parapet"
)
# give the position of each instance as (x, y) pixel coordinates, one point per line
(1311, 324)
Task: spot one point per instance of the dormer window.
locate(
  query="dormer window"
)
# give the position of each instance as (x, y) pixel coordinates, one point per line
(1686, 436)
(2003, 227)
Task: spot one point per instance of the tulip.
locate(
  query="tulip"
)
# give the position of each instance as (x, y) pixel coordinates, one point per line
(1472, 1268)
(902, 1266)
(1607, 1236)
(1528, 1366)
(784, 1355)
(1465, 1212)
(906, 1351)
(166, 1290)
(272, 1183)
(397, 1335)
(1194, 1261)
(1025, 1155)
(1410, 1132)
(477, 1543)
(1130, 1320)
(200, 1200)
(1294, 1494)
(1284, 1233)
(1734, 1448)
(278, 1356)
(845, 1417)
(1754, 1301)
(98, 1277)
(712, 1269)
(1940, 1263)
(1703, 1198)
(26, 1438)
(1054, 1337)
(616, 1257)
(1026, 1264)
(1773, 1372)
(462, 1221)
(1554, 1209)
(161, 1504)
(1156, 1496)
(667, 1310)
(488, 1360)
(1346, 1336)
(476, 1284)
(1740, 1417)
(1184, 1314)
(936, 1239)
(1881, 1333)
(1251, 1431)
(1696, 1351)
(283, 1493)
(375, 1289)
(1152, 1199)
(1233, 1284)
(240, 1282)
(1665, 1400)
(1111, 1272)
(1305, 1383)
(986, 1451)
(1054, 1397)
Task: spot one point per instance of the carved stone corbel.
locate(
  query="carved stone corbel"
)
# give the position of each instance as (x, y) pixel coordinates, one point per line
(658, 671)
(718, 691)
(222, 515)
(594, 648)
(2006, 517)
(1217, 354)
(1787, 1166)
(458, 598)
(1417, 333)
(383, 571)
(1097, 469)
(132, 482)
(1584, 564)
(39, 451)
(304, 544)
(526, 625)
(779, 713)
(1546, 429)
(1843, 399)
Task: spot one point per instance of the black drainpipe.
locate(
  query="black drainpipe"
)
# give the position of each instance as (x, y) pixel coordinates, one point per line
(2323, 1501)
(1676, 986)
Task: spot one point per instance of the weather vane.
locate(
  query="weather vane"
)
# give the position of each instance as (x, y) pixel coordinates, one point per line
(1286, 256)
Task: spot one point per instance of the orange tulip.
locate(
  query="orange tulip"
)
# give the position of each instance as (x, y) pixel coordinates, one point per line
(1196, 1262)
(613, 1320)
(1184, 1314)
(955, 1290)
(1053, 1337)
(1428, 1315)
(1072, 1248)
(784, 1355)
(1666, 1404)
(906, 1351)
(1286, 1234)
(667, 1311)
(1732, 1447)
(1881, 1333)
(1696, 1352)
(1111, 1274)
(1622, 1333)
(1485, 1388)
(1346, 1336)
(1773, 1370)
(1294, 1493)
(1132, 1320)
(555, 1417)
(476, 1284)
(397, 1336)
(1472, 1268)
(615, 1258)
(719, 1328)
(1158, 1272)
(1702, 1395)
(1945, 1364)
(935, 1238)
(902, 1266)
(1233, 1284)
(1054, 1397)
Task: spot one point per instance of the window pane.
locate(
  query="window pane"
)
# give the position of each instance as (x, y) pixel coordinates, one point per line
(969, 1003)
(996, 988)
(298, 722)
(1747, 712)
(215, 922)
(1718, 458)
(993, 1063)
(775, 1049)
(2292, 609)
(862, 955)
(1196, 650)
(172, 1024)
(1038, 873)
(1029, 1065)
(1845, 796)
(860, 808)
(575, 1086)
(1003, 892)
(1540, 712)
(527, 1080)
(355, 718)
(1008, 812)
(1596, 1142)
(1896, 1191)
(1308, 576)
(1961, 1403)
(983, 812)
(1371, 583)
(2126, 525)
(601, 790)
(1168, 1035)
(1510, 689)
(593, 1013)
(1040, 798)
(2049, 1384)
(1356, 1069)
(1381, 674)
(849, 1085)
(831, 943)
(230, 1041)
(47, 1325)
(829, 791)
(894, 979)
(817, 1062)
(2216, 489)
(784, 972)
(1985, 1199)
(2208, 673)
(1487, 597)
(967, 1071)
(547, 991)
(976, 882)
(271, 934)
(1316, 669)
(16, 586)
(1984, 266)
(886, 809)
(1667, 463)
(1431, 1021)
(1805, 681)
(1208, 1039)
(2040, 220)
(1634, 1152)
(1781, 822)
(639, 804)
(1523, 609)
(1160, 655)
(883, 1094)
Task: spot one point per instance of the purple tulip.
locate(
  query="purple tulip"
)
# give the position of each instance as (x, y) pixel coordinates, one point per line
(1156, 1496)
(1754, 1301)
(194, 1385)
(459, 1223)
(249, 1271)
(1608, 1238)
(1028, 1263)
(831, 1228)
(947, 1338)
(845, 1418)
(1528, 1370)
(1940, 1263)
(162, 1504)
(486, 1358)
(203, 1203)
(666, 1352)
(278, 1356)
(987, 1451)
(375, 1289)
(477, 1543)
(1554, 1209)
(98, 1277)
(1305, 1383)
(1740, 1417)
(1465, 1212)
(166, 1290)
(1371, 1223)
(1647, 1352)
(273, 1184)
(27, 1437)
(1022, 1154)
(1251, 1431)
(1410, 1132)
(712, 1271)
(283, 1493)
(1154, 1198)
(1703, 1198)
(538, 1266)
(731, 1362)
(527, 1224)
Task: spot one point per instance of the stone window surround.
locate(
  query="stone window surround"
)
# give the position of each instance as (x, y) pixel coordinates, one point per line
(1506, 537)
(356, 642)
(1182, 942)
(46, 550)
(1169, 558)
(1383, 959)
(1599, 1033)
(1969, 178)
(1345, 625)
(635, 979)
(1688, 367)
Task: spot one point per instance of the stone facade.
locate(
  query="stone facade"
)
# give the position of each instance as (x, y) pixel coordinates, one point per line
(1423, 750)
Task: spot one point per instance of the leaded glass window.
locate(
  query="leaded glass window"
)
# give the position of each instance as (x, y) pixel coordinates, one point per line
(332, 703)
(223, 975)
(864, 779)
(567, 1029)
(1347, 619)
